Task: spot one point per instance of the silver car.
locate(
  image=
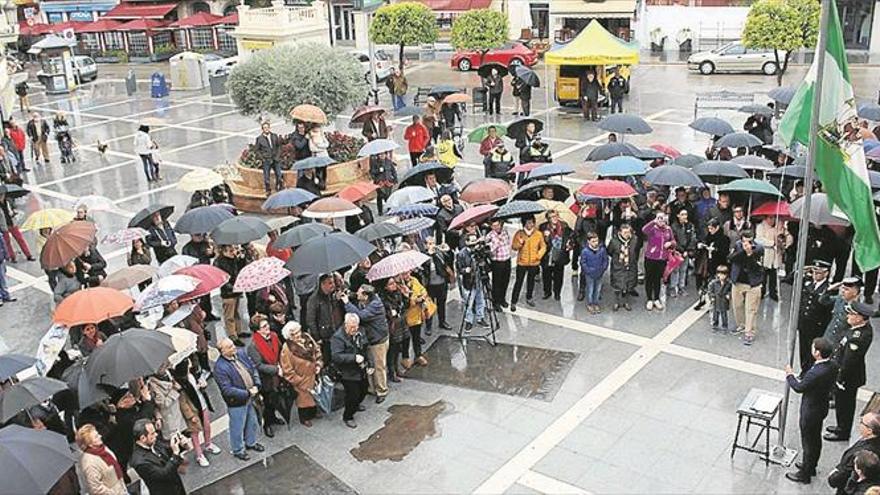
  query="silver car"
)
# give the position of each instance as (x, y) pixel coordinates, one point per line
(734, 57)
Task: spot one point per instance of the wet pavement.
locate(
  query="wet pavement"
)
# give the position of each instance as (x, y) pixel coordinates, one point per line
(568, 402)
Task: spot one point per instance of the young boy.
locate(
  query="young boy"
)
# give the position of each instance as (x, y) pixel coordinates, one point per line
(594, 262)
(719, 294)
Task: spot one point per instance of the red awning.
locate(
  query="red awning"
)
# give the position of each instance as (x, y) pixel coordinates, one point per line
(456, 5)
(200, 19)
(102, 25)
(138, 11)
(230, 19)
(41, 29)
(141, 25)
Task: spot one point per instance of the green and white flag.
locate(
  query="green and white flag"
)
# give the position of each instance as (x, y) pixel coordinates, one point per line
(840, 157)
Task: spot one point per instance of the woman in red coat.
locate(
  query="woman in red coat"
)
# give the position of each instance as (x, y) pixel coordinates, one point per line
(417, 137)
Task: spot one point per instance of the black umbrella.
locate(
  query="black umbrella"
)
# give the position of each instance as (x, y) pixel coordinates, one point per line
(649, 154)
(624, 123)
(673, 176)
(87, 393)
(11, 364)
(782, 94)
(789, 172)
(526, 75)
(142, 219)
(32, 461)
(711, 125)
(381, 230)
(443, 90)
(203, 219)
(756, 109)
(297, 236)
(518, 128)
(13, 191)
(416, 175)
(533, 191)
(26, 393)
(738, 140)
(610, 150)
(518, 208)
(485, 70)
(719, 172)
(328, 253)
(128, 355)
(239, 230)
(688, 160)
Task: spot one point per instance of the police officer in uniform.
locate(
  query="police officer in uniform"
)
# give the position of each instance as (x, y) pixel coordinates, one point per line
(840, 295)
(850, 356)
(814, 315)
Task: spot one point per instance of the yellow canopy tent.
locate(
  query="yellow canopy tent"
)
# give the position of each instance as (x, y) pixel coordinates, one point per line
(594, 46)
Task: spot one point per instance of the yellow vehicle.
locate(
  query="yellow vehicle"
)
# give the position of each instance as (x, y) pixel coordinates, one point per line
(593, 50)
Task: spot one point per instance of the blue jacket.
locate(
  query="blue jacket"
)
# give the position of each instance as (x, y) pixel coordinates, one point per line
(229, 381)
(594, 263)
(374, 322)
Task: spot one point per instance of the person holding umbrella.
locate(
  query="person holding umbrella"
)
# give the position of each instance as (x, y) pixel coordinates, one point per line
(231, 261)
(494, 84)
(383, 172)
(161, 238)
(523, 94)
(525, 140)
(239, 384)
(374, 324)
(300, 141)
(324, 313)
(375, 127)
(91, 267)
(417, 138)
(558, 239)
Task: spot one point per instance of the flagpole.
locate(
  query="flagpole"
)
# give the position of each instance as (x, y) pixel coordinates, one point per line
(781, 454)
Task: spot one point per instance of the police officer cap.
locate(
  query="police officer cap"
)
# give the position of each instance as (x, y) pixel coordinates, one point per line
(821, 265)
(861, 308)
(852, 282)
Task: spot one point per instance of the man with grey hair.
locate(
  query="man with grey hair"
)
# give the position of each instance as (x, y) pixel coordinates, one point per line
(239, 384)
(371, 312)
(349, 351)
(869, 439)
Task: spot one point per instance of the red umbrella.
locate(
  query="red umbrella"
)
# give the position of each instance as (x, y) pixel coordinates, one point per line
(209, 277)
(485, 191)
(607, 189)
(666, 150)
(773, 209)
(363, 113)
(525, 167)
(91, 306)
(477, 214)
(357, 191)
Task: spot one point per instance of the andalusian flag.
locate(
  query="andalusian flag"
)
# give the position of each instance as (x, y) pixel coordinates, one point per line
(840, 158)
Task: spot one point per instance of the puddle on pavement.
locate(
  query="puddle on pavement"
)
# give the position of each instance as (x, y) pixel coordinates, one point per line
(407, 427)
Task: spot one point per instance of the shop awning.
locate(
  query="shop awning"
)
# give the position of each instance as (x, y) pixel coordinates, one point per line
(230, 19)
(456, 5)
(199, 19)
(593, 8)
(594, 46)
(138, 11)
(102, 25)
(41, 29)
(141, 25)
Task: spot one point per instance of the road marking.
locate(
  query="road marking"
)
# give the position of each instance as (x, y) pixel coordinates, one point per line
(545, 484)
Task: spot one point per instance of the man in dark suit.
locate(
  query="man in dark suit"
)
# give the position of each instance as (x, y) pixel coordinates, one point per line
(869, 429)
(850, 356)
(375, 127)
(814, 314)
(268, 148)
(155, 462)
(815, 387)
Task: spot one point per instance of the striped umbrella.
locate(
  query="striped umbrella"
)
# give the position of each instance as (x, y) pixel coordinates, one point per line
(413, 225)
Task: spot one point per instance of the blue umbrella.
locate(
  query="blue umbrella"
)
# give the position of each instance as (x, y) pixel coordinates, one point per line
(376, 147)
(416, 210)
(313, 162)
(413, 225)
(870, 144)
(621, 166)
(711, 125)
(738, 140)
(610, 150)
(870, 111)
(416, 175)
(550, 170)
(288, 198)
(203, 219)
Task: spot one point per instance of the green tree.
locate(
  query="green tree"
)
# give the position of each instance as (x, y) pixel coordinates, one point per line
(479, 30)
(403, 24)
(782, 26)
(278, 79)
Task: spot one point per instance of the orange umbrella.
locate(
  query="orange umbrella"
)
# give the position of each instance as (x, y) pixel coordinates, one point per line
(309, 113)
(91, 306)
(457, 98)
(66, 243)
(357, 192)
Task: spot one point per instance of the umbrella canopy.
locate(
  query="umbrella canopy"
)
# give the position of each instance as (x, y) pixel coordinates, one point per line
(365, 113)
(649, 154)
(164, 290)
(288, 198)
(309, 113)
(297, 236)
(411, 211)
(12, 364)
(485, 191)
(789, 172)
(624, 123)
(376, 147)
(535, 190)
(673, 175)
(66, 243)
(260, 274)
(738, 140)
(50, 218)
(125, 236)
(518, 208)
(753, 162)
(485, 70)
(13, 191)
(32, 461)
(525, 168)
(443, 90)
(526, 75)
(416, 175)
(415, 225)
(96, 203)
(621, 166)
(209, 278)
(128, 355)
(91, 305)
(869, 111)
(142, 218)
(719, 172)
(564, 212)
(518, 128)
(183, 341)
(199, 180)
(550, 170)
(278, 223)
(328, 253)
(873, 154)
(688, 160)
(666, 150)
(756, 109)
(610, 150)
(381, 230)
(782, 94)
(358, 191)
(409, 195)
(773, 209)
(175, 263)
(820, 211)
(870, 144)
(752, 186)
(129, 276)
(409, 111)
(332, 208)
(203, 219)
(457, 98)
(712, 126)
(479, 134)
(313, 162)
(26, 393)
(397, 263)
(607, 189)
(239, 230)
(477, 214)
(874, 178)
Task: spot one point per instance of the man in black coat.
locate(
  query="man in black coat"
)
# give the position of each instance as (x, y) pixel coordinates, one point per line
(371, 312)
(349, 347)
(850, 356)
(324, 314)
(616, 90)
(869, 428)
(815, 313)
(155, 462)
(268, 148)
(815, 385)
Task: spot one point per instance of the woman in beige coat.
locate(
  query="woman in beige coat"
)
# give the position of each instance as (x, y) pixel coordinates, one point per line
(102, 472)
(300, 365)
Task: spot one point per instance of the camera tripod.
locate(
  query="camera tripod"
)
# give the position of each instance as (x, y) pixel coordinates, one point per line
(481, 278)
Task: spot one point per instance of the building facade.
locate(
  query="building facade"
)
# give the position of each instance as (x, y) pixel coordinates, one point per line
(279, 25)
(8, 35)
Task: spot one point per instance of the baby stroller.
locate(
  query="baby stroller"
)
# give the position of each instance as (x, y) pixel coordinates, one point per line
(65, 144)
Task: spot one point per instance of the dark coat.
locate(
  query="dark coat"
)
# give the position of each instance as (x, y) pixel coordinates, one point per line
(344, 349)
(374, 324)
(562, 255)
(371, 131)
(229, 381)
(494, 84)
(231, 266)
(815, 386)
(157, 238)
(850, 355)
(323, 315)
(594, 263)
(357, 222)
(751, 265)
(685, 237)
(815, 311)
(198, 250)
(440, 263)
(616, 87)
(443, 219)
(268, 372)
(97, 268)
(382, 169)
(590, 89)
(31, 130)
(314, 184)
(158, 469)
(843, 471)
(268, 148)
(300, 145)
(624, 274)
(719, 294)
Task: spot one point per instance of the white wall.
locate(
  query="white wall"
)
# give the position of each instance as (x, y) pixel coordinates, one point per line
(875, 31)
(707, 23)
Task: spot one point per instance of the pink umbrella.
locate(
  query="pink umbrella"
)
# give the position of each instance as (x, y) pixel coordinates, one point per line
(396, 264)
(666, 150)
(525, 167)
(125, 236)
(476, 214)
(773, 209)
(209, 277)
(260, 274)
(607, 189)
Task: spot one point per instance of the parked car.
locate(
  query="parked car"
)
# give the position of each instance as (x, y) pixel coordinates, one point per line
(86, 68)
(384, 64)
(514, 53)
(734, 57)
(218, 65)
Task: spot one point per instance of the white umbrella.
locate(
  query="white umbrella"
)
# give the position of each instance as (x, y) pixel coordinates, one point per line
(183, 341)
(175, 263)
(96, 203)
(165, 290)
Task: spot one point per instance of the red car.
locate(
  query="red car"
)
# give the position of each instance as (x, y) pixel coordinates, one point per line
(509, 54)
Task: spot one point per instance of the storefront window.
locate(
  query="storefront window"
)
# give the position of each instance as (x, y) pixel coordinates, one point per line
(226, 41)
(137, 43)
(90, 42)
(180, 38)
(113, 40)
(540, 19)
(161, 38)
(203, 38)
(856, 17)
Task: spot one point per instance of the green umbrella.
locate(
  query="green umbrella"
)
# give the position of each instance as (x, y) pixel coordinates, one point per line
(753, 186)
(479, 134)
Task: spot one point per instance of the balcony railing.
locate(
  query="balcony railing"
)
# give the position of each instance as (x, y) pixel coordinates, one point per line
(281, 17)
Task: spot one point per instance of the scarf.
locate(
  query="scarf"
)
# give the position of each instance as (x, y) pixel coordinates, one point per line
(107, 457)
(268, 349)
(624, 250)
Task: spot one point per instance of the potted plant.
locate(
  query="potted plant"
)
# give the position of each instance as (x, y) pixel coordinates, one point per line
(685, 39)
(657, 40)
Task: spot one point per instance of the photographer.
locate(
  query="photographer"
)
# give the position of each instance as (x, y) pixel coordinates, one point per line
(470, 287)
(155, 462)
(349, 349)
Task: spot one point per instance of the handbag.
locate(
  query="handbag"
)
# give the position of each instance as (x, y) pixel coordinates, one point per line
(673, 261)
(323, 393)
